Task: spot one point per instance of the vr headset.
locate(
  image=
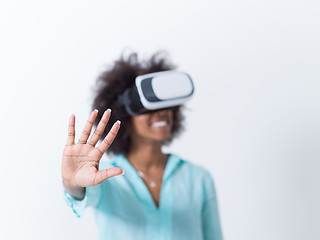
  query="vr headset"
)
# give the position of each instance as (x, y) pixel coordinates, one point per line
(155, 91)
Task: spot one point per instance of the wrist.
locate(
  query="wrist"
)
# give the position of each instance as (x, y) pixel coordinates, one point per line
(76, 191)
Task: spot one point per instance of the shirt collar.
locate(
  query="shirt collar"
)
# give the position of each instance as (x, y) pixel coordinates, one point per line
(137, 184)
(119, 160)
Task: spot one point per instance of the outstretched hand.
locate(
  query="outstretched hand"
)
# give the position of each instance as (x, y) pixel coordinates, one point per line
(80, 162)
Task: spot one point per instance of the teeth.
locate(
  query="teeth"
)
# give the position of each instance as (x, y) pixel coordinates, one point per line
(159, 124)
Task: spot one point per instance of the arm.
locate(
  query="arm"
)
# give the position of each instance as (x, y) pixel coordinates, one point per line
(76, 192)
(80, 162)
(91, 198)
(210, 213)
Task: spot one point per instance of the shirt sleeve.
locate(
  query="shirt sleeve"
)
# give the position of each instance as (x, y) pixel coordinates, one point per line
(210, 213)
(91, 198)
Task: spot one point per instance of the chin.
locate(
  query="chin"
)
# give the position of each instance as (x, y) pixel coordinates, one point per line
(163, 138)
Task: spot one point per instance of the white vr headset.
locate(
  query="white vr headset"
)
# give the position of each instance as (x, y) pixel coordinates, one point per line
(159, 90)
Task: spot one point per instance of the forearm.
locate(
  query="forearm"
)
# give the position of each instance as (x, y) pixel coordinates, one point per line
(77, 192)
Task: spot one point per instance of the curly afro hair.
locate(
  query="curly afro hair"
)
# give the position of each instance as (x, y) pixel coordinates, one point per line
(113, 82)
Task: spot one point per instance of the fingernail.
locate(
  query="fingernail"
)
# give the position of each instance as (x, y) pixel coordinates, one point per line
(119, 122)
(109, 109)
(123, 172)
(96, 110)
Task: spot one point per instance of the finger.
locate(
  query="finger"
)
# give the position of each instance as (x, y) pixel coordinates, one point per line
(71, 130)
(107, 173)
(105, 144)
(100, 128)
(87, 128)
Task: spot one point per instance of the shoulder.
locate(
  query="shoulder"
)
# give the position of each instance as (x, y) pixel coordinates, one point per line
(194, 170)
(188, 165)
(197, 177)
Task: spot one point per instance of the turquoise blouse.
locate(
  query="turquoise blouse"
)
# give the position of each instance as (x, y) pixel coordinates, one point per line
(124, 208)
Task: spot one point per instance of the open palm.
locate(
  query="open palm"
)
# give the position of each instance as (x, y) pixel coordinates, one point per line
(80, 162)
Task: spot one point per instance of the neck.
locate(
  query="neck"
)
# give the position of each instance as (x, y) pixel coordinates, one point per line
(147, 156)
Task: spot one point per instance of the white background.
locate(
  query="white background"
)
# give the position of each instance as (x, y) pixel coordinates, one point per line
(253, 122)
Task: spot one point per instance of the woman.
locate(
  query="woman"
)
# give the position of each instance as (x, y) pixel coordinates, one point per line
(156, 195)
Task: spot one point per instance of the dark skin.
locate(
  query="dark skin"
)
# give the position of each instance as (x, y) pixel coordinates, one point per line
(80, 163)
(149, 133)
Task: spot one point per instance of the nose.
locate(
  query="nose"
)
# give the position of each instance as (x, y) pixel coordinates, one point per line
(162, 112)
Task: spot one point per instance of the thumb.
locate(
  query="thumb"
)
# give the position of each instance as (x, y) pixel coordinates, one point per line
(107, 173)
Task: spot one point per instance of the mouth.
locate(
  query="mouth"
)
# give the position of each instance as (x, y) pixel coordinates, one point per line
(158, 124)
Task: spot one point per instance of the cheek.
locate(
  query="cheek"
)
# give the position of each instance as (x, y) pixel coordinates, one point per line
(139, 123)
(171, 119)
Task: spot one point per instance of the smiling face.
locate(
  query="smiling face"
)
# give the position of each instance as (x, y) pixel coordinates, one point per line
(154, 126)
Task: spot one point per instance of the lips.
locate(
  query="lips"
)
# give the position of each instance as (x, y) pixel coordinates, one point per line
(159, 124)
